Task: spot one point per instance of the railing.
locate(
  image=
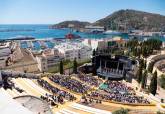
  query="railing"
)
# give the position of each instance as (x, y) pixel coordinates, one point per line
(110, 74)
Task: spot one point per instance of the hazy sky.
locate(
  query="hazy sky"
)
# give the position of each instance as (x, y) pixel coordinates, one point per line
(54, 11)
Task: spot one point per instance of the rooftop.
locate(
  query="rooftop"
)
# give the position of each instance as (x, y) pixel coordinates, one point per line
(70, 46)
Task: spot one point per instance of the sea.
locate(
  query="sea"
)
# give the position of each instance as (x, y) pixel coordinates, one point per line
(42, 31)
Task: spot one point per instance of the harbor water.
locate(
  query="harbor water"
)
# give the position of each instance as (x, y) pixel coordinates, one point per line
(43, 32)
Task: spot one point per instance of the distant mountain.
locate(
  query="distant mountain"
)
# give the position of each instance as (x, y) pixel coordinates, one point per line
(132, 19)
(66, 24)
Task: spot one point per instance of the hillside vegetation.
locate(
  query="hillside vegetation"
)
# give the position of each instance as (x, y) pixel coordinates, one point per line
(123, 20)
(132, 19)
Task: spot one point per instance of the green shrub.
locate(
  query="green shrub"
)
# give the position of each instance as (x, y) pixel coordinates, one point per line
(160, 112)
(121, 111)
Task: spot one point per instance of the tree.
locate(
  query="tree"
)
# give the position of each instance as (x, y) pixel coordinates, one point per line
(141, 62)
(135, 51)
(150, 67)
(162, 81)
(121, 111)
(132, 43)
(138, 52)
(153, 44)
(140, 71)
(144, 48)
(153, 84)
(145, 64)
(75, 66)
(94, 61)
(139, 74)
(61, 67)
(144, 79)
(160, 112)
(94, 52)
(144, 51)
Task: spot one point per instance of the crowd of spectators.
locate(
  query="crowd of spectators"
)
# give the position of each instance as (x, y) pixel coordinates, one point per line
(89, 101)
(58, 95)
(51, 99)
(91, 80)
(119, 86)
(9, 84)
(70, 83)
(119, 92)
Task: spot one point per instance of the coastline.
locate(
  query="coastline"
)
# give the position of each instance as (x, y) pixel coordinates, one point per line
(43, 32)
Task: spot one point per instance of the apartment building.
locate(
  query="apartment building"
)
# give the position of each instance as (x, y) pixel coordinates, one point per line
(71, 50)
(105, 43)
(48, 58)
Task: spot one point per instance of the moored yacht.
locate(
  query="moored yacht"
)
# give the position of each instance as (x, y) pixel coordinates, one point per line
(112, 32)
(164, 35)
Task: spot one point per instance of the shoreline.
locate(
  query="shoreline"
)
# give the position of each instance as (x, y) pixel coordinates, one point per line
(36, 39)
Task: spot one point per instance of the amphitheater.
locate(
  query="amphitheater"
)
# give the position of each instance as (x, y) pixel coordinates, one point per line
(159, 63)
(30, 96)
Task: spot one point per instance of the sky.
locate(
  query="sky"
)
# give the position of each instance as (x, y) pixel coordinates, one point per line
(54, 11)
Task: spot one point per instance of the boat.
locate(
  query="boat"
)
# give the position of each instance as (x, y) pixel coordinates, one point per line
(112, 32)
(95, 32)
(72, 36)
(164, 35)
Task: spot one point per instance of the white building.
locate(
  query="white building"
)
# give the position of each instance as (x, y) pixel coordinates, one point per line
(71, 50)
(104, 43)
(49, 58)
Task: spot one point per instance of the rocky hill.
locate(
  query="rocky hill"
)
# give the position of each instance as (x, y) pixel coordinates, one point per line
(123, 20)
(132, 19)
(74, 24)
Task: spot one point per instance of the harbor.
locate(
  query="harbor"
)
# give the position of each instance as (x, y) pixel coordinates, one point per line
(82, 57)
